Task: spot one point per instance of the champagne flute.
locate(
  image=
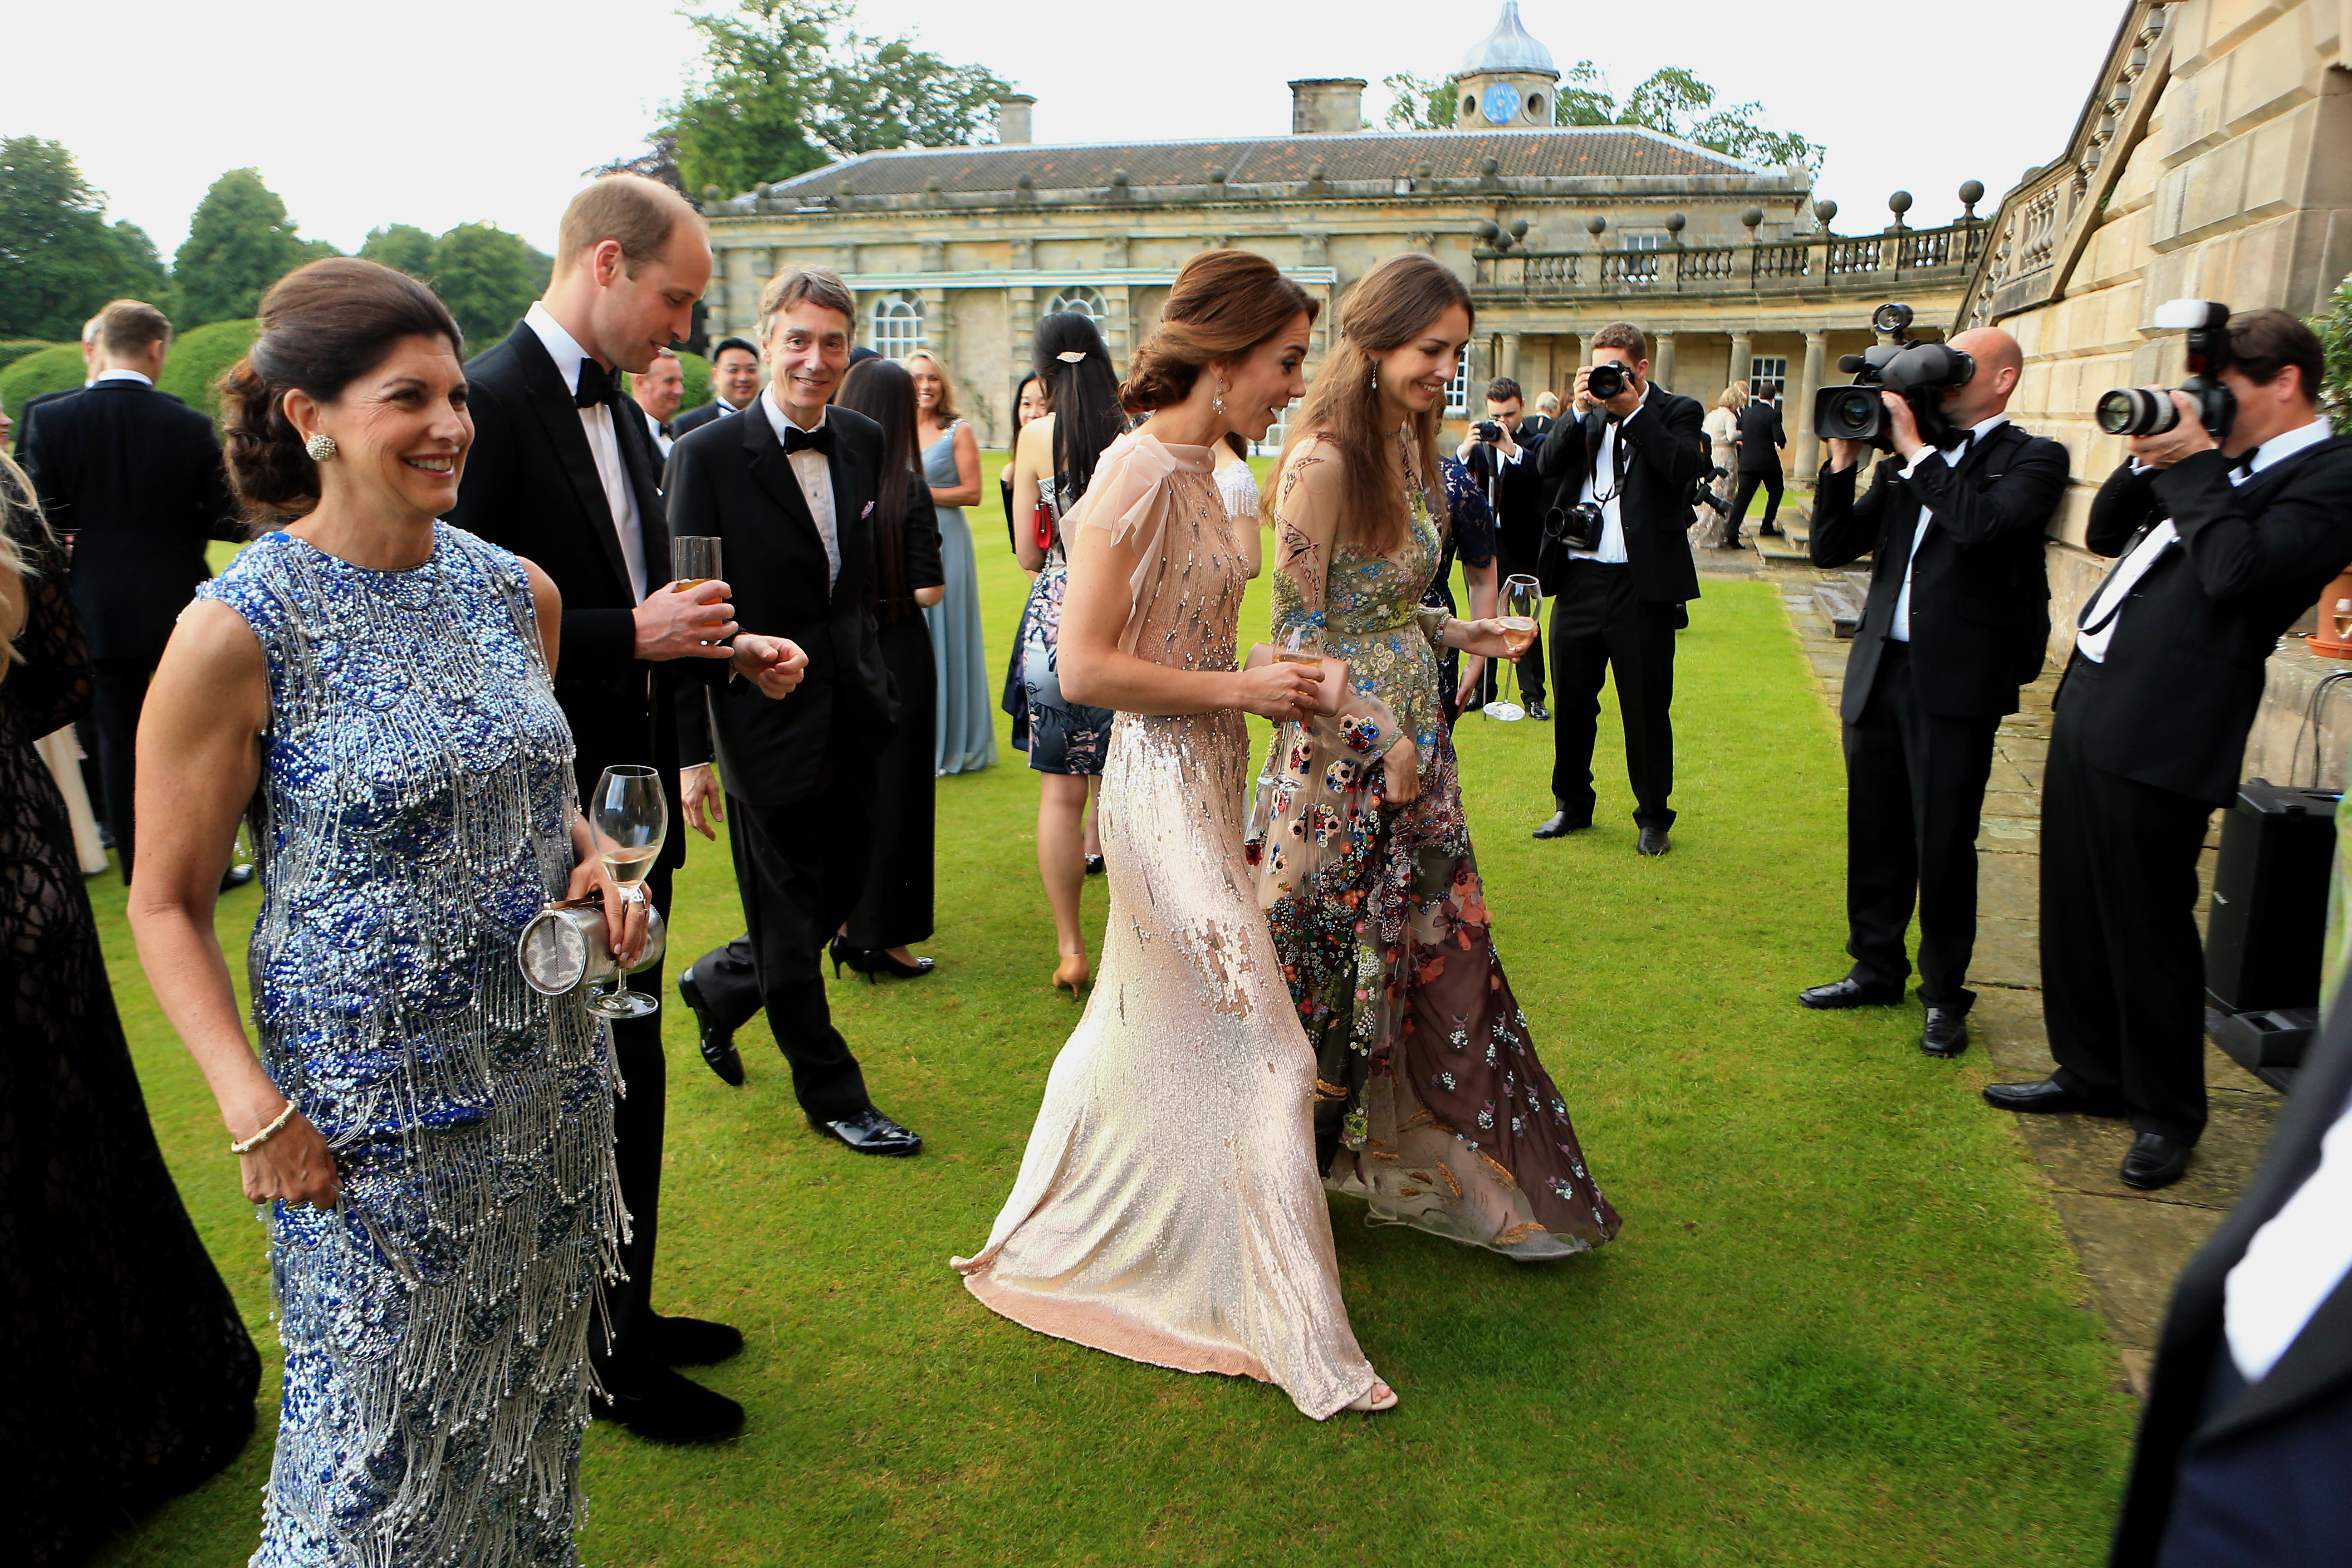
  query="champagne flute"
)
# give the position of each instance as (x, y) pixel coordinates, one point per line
(1522, 613)
(628, 819)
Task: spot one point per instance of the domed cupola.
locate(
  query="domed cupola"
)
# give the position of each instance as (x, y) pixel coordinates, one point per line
(1508, 80)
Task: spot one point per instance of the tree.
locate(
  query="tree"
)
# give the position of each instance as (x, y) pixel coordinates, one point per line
(1420, 105)
(1672, 100)
(485, 276)
(2334, 329)
(779, 94)
(402, 246)
(239, 242)
(59, 260)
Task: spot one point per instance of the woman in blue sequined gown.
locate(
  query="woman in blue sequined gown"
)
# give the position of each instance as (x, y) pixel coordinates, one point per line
(434, 1138)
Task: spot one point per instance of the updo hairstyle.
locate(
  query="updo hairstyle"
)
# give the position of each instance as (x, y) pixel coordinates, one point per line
(1225, 303)
(323, 326)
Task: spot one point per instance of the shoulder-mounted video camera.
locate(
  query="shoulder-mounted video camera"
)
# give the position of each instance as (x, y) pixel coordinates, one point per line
(2137, 411)
(1918, 373)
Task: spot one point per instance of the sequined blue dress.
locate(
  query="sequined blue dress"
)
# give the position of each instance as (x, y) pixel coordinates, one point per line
(411, 817)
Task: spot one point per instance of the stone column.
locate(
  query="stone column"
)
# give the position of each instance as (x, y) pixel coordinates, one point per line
(1742, 351)
(1662, 359)
(1808, 447)
(1509, 362)
(1567, 354)
(938, 324)
(1116, 326)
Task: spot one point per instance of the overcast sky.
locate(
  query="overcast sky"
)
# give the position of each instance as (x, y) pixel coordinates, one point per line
(438, 113)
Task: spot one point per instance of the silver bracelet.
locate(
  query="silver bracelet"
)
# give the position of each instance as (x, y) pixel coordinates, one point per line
(266, 1134)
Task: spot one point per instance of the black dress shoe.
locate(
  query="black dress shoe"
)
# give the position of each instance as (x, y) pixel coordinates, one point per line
(1094, 864)
(2155, 1161)
(718, 1041)
(1538, 710)
(2047, 1097)
(1947, 1034)
(1653, 841)
(879, 962)
(662, 1407)
(1850, 992)
(1560, 824)
(690, 1342)
(236, 877)
(871, 1133)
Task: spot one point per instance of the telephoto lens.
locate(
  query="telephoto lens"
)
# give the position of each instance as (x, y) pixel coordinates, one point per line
(2137, 411)
(1609, 380)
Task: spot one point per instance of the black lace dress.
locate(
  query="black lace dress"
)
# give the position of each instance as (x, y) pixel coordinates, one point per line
(126, 1374)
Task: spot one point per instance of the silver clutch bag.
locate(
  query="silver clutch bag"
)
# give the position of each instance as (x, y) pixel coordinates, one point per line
(565, 946)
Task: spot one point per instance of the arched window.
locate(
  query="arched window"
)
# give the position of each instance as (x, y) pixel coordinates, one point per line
(897, 325)
(1079, 300)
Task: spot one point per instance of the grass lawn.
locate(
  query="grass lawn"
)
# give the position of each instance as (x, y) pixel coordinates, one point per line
(1841, 1326)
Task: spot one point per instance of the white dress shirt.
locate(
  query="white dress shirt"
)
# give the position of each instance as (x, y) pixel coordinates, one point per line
(815, 475)
(603, 444)
(1611, 548)
(1901, 630)
(2093, 644)
(2293, 1263)
(662, 443)
(118, 375)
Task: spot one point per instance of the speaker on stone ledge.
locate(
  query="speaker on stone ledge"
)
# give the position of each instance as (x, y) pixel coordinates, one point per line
(2263, 936)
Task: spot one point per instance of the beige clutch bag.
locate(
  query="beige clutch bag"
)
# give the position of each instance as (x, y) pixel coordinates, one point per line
(1335, 676)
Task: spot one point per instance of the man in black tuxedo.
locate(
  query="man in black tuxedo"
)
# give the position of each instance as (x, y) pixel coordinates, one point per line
(2246, 1437)
(1617, 605)
(1504, 470)
(657, 393)
(133, 478)
(2223, 545)
(789, 488)
(563, 471)
(1759, 441)
(734, 383)
(1956, 620)
(93, 361)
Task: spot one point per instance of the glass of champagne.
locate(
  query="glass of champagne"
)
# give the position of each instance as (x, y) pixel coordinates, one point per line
(1522, 613)
(693, 561)
(628, 819)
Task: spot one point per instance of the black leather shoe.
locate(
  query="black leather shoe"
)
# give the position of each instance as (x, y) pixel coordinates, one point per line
(1850, 992)
(1538, 710)
(717, 1042)
(1094, 864)
(2155, 1161)
(1560, 824)
(1653, 841)
(236, 877)
(662, 1407)
(871, 1133)
(2045, 1097)
(690, 1342)
(1947, 1034)
(879, 962)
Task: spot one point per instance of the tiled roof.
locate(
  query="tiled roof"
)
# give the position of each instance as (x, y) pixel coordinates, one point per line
(1566, 153)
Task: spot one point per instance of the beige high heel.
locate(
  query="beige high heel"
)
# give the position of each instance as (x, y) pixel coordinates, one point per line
(1073, 972)
(1378, 1397)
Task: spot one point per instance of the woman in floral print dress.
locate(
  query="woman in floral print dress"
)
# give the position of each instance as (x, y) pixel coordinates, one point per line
(1431, 1104)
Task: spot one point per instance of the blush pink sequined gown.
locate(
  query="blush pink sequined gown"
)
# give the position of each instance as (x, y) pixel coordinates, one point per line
(1168, 1209)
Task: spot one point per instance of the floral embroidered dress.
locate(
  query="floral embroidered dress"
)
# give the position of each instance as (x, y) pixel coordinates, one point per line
(1431, 1104)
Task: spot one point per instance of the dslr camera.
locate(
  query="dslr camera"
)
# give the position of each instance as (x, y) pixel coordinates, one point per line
(2137, 411)
(1917, 372)
(1608, 379)
(1488, 430)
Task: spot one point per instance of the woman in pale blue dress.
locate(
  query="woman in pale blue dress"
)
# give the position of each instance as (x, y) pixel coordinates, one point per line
(964, 727)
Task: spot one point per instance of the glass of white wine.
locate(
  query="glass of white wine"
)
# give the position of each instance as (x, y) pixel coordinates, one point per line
(629, 818)
(1522, 614)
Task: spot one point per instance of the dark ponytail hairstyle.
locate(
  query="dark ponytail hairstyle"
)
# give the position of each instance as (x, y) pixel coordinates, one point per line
(1085, 394)
(323, 326)
(882, 390)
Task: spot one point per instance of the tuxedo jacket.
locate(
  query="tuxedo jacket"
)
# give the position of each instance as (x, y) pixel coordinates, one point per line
(1659, 456)
(696, 418)
(1761, 437)
(1979, 589)
(1519, 495)
(2319, 1361)
(731, 479)
(530, 485)
(2183, 676)
(136, 475)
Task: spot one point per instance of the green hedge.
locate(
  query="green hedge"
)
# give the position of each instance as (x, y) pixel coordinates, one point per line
(14, 348)
(698, 381)
(200, 356)
(52, 369)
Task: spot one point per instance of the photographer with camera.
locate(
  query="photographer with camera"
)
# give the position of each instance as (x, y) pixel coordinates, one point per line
(2232, 515)
(1957, 619)
(1615, 560)
(1499, 453)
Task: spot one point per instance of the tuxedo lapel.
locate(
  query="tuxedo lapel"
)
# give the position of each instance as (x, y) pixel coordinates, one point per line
(560, 415)
(643, 461)
(852, 504)
(772, 472)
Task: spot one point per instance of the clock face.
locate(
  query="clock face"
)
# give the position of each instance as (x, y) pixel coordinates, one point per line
(1500, 103)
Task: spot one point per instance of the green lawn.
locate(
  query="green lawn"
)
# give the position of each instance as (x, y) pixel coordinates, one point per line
(1841, 1326)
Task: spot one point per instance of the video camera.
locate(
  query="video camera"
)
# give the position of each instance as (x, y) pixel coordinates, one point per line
(2137, 411)
(1917, 372)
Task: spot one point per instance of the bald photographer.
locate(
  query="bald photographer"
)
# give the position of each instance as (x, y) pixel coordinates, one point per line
(2232, 515)
(1958, 617)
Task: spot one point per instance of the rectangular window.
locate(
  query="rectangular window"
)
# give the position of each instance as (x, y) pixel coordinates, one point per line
(1457, 391)
(1768, 378)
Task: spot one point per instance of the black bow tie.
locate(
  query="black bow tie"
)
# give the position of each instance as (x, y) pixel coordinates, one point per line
(595, 386)
(799, 441)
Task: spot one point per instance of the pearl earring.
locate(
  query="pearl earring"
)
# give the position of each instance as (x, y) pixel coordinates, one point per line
(320, 446)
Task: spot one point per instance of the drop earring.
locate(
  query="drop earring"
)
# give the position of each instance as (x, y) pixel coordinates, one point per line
(1375, 367)
(1218, 403)
(320, 446)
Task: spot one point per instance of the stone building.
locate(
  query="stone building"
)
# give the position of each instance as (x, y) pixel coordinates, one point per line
(1557, 229)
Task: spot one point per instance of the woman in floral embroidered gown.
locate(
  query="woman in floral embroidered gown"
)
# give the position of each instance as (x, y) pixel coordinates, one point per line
(1432, 1105)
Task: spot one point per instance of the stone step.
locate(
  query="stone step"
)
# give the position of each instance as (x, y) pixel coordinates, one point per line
(1842, 605)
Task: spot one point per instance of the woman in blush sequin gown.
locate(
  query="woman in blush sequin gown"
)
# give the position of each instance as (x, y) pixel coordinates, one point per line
(1196, 1239)
(435, 1138)
(1432, 1105)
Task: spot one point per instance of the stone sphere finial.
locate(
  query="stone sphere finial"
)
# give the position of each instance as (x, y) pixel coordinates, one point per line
(1596, 226)
(1972, 190)
(1753, 218)
(1488, 167)
(1519, 228)
(1826, 211)
(1675, 223)
(713, 193)
(1899, 202)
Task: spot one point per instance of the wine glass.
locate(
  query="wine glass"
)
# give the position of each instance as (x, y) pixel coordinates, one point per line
(1522, 613)
(628, 819)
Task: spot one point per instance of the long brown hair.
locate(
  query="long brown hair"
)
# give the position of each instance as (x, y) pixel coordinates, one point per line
(882, 390)
(1390, 306)
(1225, 303)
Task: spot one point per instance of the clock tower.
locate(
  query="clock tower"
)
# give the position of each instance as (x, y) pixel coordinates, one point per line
(1508, 81)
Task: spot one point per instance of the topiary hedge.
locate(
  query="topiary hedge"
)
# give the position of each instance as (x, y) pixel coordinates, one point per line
(52, 369)
(200, 356)
(698, 381)
(14, 348)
